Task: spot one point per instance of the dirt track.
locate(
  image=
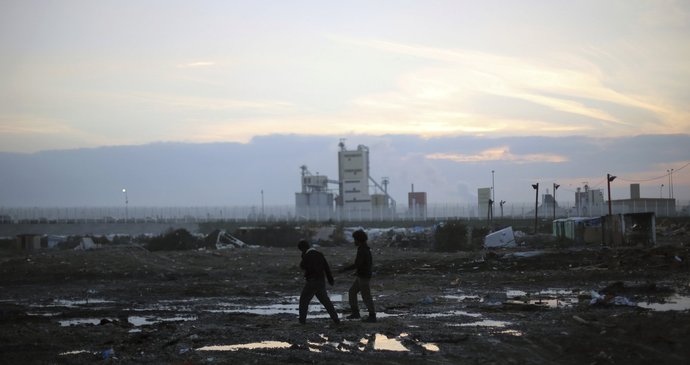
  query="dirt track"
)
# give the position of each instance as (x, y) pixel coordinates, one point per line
(124, 304)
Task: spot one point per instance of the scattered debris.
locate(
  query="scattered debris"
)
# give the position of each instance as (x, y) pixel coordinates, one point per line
(501, 238)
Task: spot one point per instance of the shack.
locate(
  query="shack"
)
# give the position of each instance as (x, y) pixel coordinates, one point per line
(578, 229)
(29, 241)
(629, 229)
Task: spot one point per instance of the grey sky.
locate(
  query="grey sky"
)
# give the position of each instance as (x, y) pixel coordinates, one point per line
(488, 77)
(226, 174)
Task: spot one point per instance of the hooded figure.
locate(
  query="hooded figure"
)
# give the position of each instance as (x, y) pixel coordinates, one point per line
(316, 271)
(363, 269)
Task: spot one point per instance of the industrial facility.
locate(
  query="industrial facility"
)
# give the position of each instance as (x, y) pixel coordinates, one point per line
(355, 195)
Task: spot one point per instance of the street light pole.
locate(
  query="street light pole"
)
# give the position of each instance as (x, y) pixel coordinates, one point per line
(493, 195)
(124, 191)
(670, 183)
(661, 191)
(609, 178)
(554, 200)
(536, 206)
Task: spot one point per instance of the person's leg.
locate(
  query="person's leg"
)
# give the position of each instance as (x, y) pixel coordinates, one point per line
(366, 296)
(322, 296)
(304, 299)
(352, 298)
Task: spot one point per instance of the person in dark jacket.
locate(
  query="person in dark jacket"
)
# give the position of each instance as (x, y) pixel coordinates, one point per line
(363, 268)
(316, 271)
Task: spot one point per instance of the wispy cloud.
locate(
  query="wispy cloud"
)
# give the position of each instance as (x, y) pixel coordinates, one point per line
(497, 154)
(21, 125)
(202, 103)
(569, 86)
(196, 64)
(30, 133)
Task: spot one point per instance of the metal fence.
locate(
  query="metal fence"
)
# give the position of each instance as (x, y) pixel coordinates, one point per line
(287, 213)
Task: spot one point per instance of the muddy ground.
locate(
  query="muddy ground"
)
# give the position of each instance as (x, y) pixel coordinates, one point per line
(124, 304)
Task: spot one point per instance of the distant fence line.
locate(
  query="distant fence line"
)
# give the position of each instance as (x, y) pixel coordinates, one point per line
(287, 213)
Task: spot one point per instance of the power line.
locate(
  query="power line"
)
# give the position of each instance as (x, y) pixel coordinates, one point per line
(658, 177)
(597, 184)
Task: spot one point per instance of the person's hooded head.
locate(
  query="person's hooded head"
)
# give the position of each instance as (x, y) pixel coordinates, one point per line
(359, 236)
(303, 246)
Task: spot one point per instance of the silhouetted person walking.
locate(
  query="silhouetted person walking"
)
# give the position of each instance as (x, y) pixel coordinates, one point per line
(362, 266)
(316, 271)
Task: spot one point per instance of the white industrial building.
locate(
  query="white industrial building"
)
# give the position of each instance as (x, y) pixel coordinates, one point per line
(484, 202)
(353, 172)
(315, 201)
(589, 202)
(354, 201)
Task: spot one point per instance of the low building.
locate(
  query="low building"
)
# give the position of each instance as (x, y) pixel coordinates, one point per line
(629, 229)
(29, 241)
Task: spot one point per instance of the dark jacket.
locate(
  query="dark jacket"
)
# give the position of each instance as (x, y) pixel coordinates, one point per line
(363, 262)
(315, 266)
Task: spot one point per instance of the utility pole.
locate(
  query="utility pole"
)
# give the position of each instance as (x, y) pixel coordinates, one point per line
(555, 186)
(536, 206)
(263, 216)
(124, 191)
(609, 178)
(493, 196)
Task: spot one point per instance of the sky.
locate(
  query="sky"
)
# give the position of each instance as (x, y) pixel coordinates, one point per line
(494, 75)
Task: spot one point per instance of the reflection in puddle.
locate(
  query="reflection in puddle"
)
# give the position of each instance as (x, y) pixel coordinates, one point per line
(77, 303)
(549, 298)
(248, 346)
(289, 306)
(515, 293)
(483, 323)
(382, 342)
(79, 322)
(448, 314)
(375, 342)
(514, 333)
(462, 298)
(147, 321)
(430, 347)
(45, 314)
(134, 320)
(76, 352)
(672, 303)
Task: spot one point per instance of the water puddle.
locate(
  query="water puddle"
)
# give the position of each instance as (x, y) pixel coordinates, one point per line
(80, 322)
(548, 298)
(462, 298)
(147, 321)
(248, 346)
(672, 303)
(484, 323)
(375, 342)
(448, 314)
(514, 333)
(76, 352)
(44, 314)
(136, 321)
(75, 303)
(383, 343)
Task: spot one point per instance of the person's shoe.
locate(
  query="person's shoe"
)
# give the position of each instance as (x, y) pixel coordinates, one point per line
(369, 319)
(353, 316)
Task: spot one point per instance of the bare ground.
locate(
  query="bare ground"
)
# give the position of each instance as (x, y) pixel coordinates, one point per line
(124, 304)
